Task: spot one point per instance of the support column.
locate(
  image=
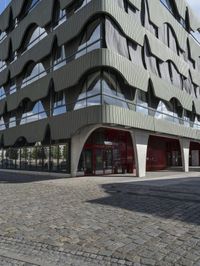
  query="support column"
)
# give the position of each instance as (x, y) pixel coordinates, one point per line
(185, 151)
(77, 143)
(140, 142)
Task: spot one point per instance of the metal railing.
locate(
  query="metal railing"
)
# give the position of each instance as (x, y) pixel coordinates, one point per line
(103, 100)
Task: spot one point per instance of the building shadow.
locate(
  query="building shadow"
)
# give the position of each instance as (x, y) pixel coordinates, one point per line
(15, 177)
(176, 199)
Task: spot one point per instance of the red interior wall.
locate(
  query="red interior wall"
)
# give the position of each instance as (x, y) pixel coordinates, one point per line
(156, 154)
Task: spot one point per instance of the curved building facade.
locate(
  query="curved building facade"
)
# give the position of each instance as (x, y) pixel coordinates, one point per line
(93, 87)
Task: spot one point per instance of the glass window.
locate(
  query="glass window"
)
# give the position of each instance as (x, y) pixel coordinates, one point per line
(37, 72)
(11, 157)
(37, 35)
(12, 122)
(187, 119)
(2, 124)
(3, 35)
(166, 111)
(13, 87)
(32, 158)
(81, 4)
(63, 158)
(3, 65)
(2, 93)
(24, 158)
(55, 155)
(90, 41)
(59, 59)
(59, 106)
(142, 102)
(167, 4)
(37, 113)
(61, 18)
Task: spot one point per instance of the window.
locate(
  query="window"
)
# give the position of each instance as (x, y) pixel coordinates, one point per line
(2, 124)
(2, 93)
(59, 58)
(61, 17)
(142, 102)
(37, 72)
(2, 65)
(37, 35)
(12, 122)
(187, 118)
(32, 4)
(166, 111)
(101, 88)
(90, 41)
(37, 113)
(81, 4)
(59, 105)
(3, 35)
(167, 4)
(13, 87)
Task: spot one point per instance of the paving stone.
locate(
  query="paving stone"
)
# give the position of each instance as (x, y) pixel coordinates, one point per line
(99, 221)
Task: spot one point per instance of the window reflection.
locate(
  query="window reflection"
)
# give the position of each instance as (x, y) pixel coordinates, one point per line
(37, 113)
(59, 106)
(37, 72)
(53, 158)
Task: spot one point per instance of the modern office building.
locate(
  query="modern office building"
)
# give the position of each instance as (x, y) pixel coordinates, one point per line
(91, 87)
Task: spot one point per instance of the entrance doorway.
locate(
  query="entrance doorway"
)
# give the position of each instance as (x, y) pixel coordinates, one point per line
(194, 160)
(107, 151)
(163, 153)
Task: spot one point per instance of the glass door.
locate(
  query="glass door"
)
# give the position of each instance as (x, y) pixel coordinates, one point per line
(108, 161)
(99, 161)
(88, 162)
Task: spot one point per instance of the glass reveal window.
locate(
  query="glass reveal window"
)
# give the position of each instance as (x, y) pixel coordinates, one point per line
(59, 58)
(37, 113)
(2, 93)
(12, 122)
(166, 111)
(142, 102)
(2, 124)
(81, 4)
(37, 35)
(59, 105)
(36, 73)
(3, 35)
(3, 65)
(60, 18)
(90, 41)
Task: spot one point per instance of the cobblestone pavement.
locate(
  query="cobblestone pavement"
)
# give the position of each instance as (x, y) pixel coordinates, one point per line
(99, 221)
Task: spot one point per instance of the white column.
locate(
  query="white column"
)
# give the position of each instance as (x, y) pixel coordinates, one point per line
(77, 143)
(185, 151)
(140, 142)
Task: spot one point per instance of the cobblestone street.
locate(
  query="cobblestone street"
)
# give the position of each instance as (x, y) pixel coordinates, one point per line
(99, 220)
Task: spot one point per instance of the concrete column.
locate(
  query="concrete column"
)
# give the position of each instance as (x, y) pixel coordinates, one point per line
(140, 143)
(185, 151)
(77, 143)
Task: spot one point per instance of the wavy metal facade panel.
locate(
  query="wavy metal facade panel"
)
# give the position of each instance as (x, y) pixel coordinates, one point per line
(70, 75)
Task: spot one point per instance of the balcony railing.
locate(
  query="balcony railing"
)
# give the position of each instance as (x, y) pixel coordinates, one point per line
(198, 41)
(103, 99)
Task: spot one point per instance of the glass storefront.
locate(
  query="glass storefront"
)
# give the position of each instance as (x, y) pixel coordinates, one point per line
(163, 153)
(54, 158)
(107, 151)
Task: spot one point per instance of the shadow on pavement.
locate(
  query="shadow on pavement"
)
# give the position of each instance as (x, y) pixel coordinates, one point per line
(8, 177)
(177, 199)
